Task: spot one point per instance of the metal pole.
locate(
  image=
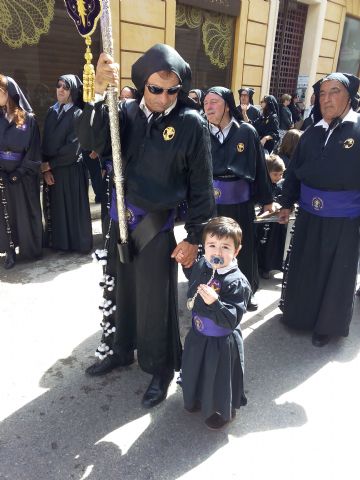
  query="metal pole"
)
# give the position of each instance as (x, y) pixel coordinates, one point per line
(112, 102)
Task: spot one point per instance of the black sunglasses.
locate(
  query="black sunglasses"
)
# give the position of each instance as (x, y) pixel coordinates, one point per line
(63, 85)
(158, 90)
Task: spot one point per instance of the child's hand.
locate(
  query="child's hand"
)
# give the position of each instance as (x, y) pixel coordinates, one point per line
(207, 293)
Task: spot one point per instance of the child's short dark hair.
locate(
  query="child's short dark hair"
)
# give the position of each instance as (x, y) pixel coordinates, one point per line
(223, 227)
(274, 163)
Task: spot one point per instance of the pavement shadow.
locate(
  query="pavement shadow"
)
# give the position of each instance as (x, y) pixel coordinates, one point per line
(95, 428)
(49, 266)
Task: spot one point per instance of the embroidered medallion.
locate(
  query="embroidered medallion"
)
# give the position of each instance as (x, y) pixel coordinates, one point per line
(130, 217)
(348, 143)
(198, 323)
(215, 285)
(169, 133)
(240, 147)
(217, 193)
(317, 203)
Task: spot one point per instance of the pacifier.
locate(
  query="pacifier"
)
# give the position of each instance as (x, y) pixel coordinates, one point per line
(216, 260)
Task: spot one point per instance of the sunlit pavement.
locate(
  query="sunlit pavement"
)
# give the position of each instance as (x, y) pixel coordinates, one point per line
(302, 419)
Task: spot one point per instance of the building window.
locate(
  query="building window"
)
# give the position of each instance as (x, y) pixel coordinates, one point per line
(205, 40)
(349, 57)
(288, 47)
(38, 49)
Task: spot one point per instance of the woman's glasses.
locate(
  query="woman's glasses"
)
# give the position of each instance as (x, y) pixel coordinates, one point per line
(158, 90)
(63, 85)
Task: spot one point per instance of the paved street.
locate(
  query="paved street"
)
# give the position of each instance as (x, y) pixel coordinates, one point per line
(301, 422)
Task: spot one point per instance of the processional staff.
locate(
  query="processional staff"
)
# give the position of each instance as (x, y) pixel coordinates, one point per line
(85, 14)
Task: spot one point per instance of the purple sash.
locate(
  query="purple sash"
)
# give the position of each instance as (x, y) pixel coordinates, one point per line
(231, 192)
(208, 327)
(11, 156)
(134, 215)
(343, 203)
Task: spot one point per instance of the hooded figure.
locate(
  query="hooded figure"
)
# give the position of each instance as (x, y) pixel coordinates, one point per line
(249, 113)
(239, 172)
(324, 178)
(267, 125)
(17, 95)
(20, 158)
(166, 159)
(76, 88)
(200, 98)
(66, 202)
(248, 91)
(159, 58)
(350, 82)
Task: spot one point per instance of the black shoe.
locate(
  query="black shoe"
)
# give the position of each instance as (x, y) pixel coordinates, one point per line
(319, 340)
(109, 363)
(215, 422)
(357, 293)
(252, 305)
(157, 390)
(10, 259)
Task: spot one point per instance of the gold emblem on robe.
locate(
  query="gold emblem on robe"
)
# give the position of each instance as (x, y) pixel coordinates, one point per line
(168, 133)
(349, 142)
(317, 203)
(240, 147)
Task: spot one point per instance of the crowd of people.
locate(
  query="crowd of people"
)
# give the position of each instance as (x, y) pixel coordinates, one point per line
(220, 162)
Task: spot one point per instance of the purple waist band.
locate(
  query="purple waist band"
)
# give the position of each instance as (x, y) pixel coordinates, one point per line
(134, 215)
(344, 203)
(208, 327)
(231, 192)
(11, 156)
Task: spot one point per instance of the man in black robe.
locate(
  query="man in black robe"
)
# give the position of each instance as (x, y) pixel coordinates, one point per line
(166, 154)
(240, 174)
(324, 178)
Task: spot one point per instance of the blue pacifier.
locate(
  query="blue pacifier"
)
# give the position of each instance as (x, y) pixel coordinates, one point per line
(216, 260)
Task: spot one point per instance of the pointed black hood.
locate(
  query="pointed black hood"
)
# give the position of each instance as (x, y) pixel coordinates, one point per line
(17, 95)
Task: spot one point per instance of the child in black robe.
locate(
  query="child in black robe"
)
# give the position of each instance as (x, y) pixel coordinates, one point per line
(213, 358)
(271, 236)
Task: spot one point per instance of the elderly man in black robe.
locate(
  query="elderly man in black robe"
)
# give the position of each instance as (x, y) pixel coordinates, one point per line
(166, 155)
(324, 178)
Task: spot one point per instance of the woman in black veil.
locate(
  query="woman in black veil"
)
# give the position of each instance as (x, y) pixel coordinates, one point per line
(20, 159)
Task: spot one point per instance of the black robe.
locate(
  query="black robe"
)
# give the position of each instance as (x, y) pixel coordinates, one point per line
(22, 198)
(268, 125)
(320, 272)
(252, 112)
(160, 171)
(213, 367)
(249, 165)
(271, 239)
(66, 203)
